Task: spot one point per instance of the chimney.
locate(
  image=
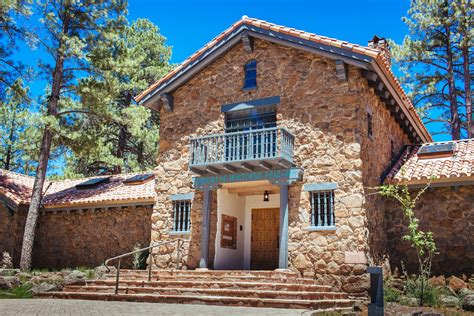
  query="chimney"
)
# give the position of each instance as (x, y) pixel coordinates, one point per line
(382, 45)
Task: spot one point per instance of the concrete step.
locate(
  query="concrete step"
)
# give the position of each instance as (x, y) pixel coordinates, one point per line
(174, 272)
(301, 295)
(196, 277)
(253, 285)
(325, 304)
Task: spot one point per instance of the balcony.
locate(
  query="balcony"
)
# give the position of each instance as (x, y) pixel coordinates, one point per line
(254, 150)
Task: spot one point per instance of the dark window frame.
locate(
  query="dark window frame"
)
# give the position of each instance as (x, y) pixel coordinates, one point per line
(182, 216)
(322, 208)
(250, 75)
(370, 125)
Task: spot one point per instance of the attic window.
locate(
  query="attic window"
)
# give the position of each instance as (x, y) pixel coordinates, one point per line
(139, 179)
(436, 151)
(91, 183)
(250, 81)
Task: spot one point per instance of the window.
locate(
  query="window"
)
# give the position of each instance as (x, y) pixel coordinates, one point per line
(250, 119)
(369, 124)
(250, 69)
(322, 208)
(182, 216)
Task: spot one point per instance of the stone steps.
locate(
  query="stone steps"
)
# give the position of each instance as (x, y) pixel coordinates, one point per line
(216, 284)
(228, 278)
(320, 305)
(277, 289)
(311, 295)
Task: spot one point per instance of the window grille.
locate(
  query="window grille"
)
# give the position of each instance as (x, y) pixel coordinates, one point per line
(182, 216)
(250, 81)
(322, 208)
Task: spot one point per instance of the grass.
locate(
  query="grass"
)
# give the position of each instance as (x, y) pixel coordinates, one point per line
(22, 291)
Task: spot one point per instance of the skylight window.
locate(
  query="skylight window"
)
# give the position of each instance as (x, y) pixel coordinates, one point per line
(139, 178)
(436, 150)
(91, 183)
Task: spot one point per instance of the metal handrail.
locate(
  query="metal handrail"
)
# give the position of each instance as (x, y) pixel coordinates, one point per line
(267, 129)
(150, 265)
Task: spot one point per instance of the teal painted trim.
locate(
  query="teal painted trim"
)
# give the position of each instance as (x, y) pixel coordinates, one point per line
(274, 176)
(244, 105)
(182, 197)
(323, 186)
(319, 228)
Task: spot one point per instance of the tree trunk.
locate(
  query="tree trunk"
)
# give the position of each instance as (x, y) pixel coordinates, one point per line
(35, 204)
(453, 106)
(32, 217)
(467, 91)
(122, 137)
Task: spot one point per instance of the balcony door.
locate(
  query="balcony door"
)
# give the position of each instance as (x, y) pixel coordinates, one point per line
(241, 143)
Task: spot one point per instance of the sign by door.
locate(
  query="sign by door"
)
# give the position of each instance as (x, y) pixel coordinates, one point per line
(229, 232)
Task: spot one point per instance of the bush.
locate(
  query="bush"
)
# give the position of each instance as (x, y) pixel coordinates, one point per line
(22, 291)
(139, 258)
(419, 287)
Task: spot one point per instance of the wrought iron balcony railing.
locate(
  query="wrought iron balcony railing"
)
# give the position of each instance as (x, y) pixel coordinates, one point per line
(255, 149)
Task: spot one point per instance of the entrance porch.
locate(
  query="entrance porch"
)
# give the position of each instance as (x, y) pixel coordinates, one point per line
(250, 233)
(247, 230)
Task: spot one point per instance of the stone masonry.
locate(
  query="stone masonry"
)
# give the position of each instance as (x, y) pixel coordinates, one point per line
(448, 213)
(327, 117)
(75, 238)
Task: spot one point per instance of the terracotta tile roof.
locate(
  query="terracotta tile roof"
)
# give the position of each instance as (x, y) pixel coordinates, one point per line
(16, 187)
(63, 193)
(376, 54)
(412, 169)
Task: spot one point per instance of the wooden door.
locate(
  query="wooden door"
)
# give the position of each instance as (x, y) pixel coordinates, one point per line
(264, 246)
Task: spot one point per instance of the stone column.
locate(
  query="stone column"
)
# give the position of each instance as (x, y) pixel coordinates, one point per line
(205, 229)
(283, 255)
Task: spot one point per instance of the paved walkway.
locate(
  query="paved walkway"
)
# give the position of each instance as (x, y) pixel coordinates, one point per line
(50, 307)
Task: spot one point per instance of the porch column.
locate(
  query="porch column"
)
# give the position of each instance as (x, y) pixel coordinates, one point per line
(283, 255)
(205, 231)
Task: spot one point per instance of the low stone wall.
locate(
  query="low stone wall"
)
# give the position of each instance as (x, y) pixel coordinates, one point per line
(80, 237)
(449, 213)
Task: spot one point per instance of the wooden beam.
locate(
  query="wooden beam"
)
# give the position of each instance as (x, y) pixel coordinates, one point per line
(246, 166)
(256, 193)
(265, 165)
(369, 75)
(284, 163)
(272, 189)
(377, 85)
(247, 41)
(212, 170)
(341, 70)
(167, 100)
(197, 171)
(229, 168)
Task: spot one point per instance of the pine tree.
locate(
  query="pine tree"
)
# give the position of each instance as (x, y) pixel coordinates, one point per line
(126, 138)
(19, 135)
(10, 33)
(69, 31)
(429, 57)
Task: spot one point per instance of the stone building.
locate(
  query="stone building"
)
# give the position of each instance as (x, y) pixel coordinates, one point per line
(271, 143)
(82, 222)
(271, 140)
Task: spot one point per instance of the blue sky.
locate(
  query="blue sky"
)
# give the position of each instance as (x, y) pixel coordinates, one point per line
(189, 25)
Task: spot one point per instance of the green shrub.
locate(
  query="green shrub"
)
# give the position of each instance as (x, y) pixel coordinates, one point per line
(22, 291)
(419, 287)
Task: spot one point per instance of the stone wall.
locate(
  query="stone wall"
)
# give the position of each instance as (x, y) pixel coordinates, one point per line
(326, 116)
(449, 213)
(11, 231)
(80, 237)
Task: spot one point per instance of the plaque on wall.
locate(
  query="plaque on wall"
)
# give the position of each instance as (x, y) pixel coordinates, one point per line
(229, 232)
